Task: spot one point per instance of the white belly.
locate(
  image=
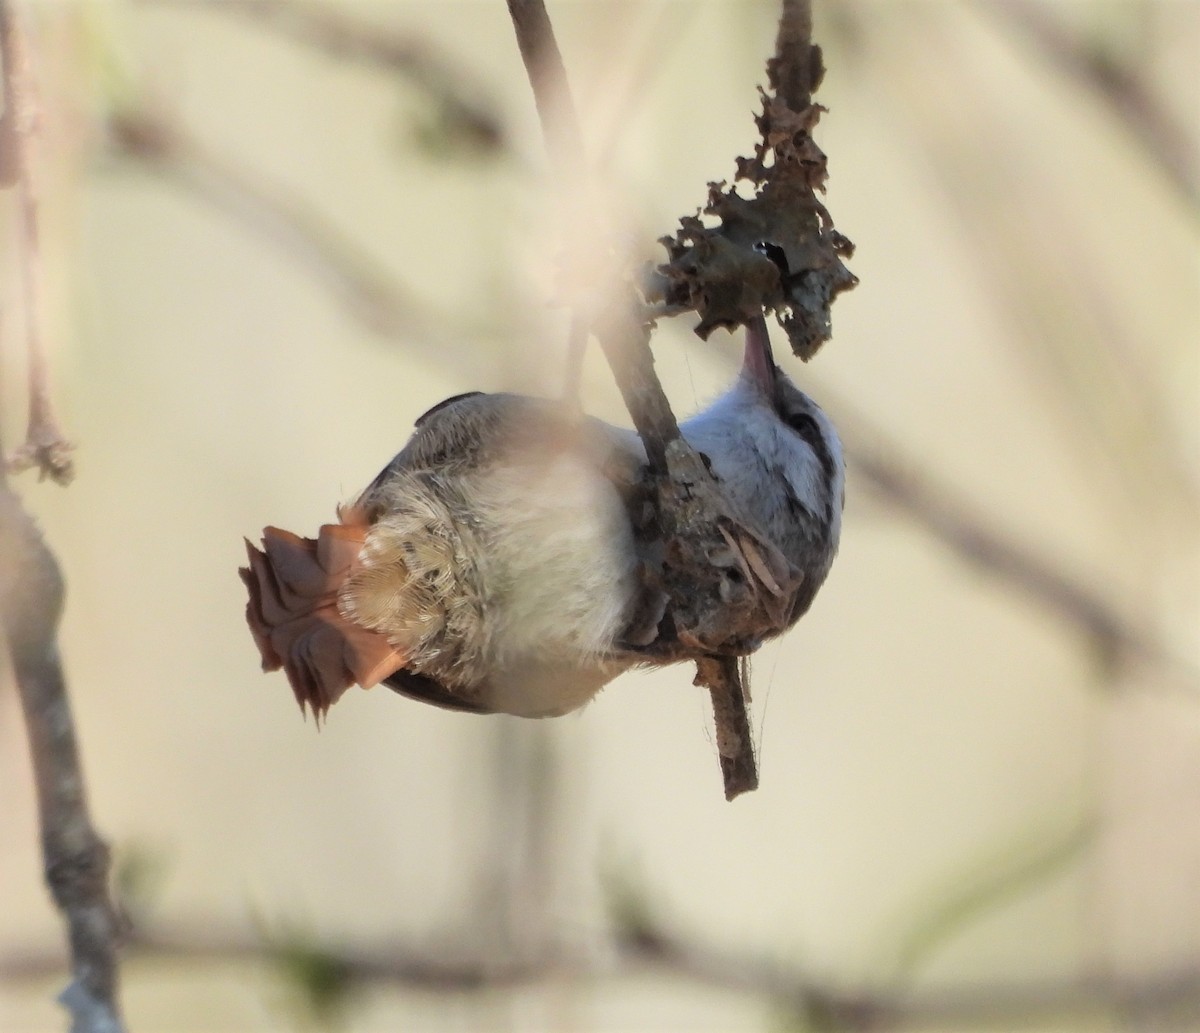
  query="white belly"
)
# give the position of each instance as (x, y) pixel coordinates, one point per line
(559, 577)
(509, 586)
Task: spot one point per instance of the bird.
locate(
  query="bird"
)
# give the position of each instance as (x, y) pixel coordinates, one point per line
(494, 565)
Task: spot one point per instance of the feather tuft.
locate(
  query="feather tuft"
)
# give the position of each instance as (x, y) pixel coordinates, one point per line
(293, 614)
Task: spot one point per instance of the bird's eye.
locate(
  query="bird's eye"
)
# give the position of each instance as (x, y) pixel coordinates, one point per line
(804, 425)
(809, 430)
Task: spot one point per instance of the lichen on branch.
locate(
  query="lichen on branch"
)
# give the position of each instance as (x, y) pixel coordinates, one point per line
(777, 249)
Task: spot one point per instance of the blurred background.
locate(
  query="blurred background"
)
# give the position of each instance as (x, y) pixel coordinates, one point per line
(274, 234)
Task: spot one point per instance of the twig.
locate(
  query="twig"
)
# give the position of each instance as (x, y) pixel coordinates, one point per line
(583, 237)
(727, 680)
(76, 859)
(551, 91)
(45, 446)
(796, 66)
(624, 338)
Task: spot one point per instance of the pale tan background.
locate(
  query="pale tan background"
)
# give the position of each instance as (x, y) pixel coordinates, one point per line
(1029, 279)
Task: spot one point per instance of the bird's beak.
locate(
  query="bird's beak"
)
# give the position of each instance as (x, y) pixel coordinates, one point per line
(758, 364)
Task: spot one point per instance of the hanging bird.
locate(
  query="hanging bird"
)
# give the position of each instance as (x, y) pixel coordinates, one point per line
(493, 565)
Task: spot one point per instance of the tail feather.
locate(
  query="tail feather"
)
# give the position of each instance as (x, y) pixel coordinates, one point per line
(293, 614)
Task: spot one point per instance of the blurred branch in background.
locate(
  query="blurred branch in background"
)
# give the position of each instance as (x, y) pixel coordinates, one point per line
(896, 478)
(370, 295)
(464, 114)
(1057, 300)
(290, 223)
(1167, 144)
(326, 977)
(75, 858)
(1013, 869)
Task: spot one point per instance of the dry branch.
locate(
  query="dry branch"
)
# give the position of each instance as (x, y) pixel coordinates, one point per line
(75, 858)
(45, 446)
(727, 679)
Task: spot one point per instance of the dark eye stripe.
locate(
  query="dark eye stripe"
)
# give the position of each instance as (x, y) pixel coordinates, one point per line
(806, 426)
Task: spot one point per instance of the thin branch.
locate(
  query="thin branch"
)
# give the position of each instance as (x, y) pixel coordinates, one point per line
(76, 859)
(797, 62)
(625, 341)
(45, 446)
(624, 338)
(551, 90)
(728, 681)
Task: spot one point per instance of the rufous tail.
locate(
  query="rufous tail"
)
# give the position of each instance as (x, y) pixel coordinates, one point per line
(293, 613)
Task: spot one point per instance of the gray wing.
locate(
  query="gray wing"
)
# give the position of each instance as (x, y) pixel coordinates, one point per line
(468, 429)
(446, 435)
(428, 690)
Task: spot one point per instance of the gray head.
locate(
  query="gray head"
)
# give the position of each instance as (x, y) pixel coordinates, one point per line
(778, 456)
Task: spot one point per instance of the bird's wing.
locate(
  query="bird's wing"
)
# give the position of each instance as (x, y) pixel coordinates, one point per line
(429, 690)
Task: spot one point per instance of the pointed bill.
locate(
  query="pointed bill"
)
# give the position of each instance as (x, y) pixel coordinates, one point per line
(758, 363)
